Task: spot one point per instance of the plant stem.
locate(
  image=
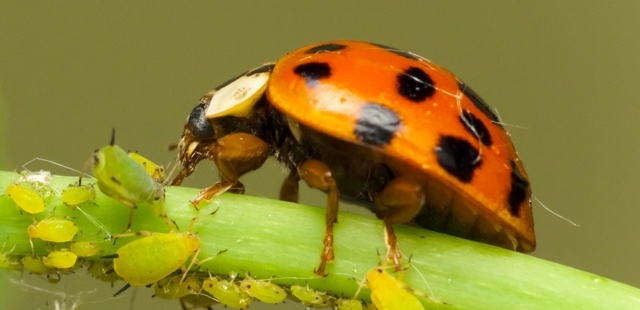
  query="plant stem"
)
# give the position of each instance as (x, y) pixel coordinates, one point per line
(280, 240)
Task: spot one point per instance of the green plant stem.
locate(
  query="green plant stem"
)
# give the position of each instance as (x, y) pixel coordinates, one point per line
(271, 238)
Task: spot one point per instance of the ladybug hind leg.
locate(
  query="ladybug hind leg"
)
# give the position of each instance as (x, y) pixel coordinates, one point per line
(234, 155)
(317, 175)
(399, 202)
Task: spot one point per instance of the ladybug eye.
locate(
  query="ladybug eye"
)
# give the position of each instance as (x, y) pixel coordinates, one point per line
(200, 125)
(238, 97)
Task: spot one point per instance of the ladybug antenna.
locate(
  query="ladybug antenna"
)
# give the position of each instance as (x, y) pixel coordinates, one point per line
(113, 137)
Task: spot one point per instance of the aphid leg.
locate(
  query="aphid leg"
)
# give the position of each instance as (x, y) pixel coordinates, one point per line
(163, 214)
(234, 155)
(318, 175)
(399, 202)
(130, 220)
(290, 187)
(133, 234)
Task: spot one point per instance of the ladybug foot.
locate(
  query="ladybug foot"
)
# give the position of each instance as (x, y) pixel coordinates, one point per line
(211, 192)
(326, 256)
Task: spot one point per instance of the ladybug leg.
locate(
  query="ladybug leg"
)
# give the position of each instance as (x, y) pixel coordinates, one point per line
(234, 155)
(318, 175)
(290, 186)
(399, 202)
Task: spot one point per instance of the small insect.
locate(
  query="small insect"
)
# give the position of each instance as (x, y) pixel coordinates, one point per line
(38, 180)
(35, 265)
(348, 304)
(125, 180)
(312, 298)
(380, 127)
(84, 248)
(78, 194)
(155, 171)
(151, 258)
(53, 230)
(103, 270)
(262, 290)
(173, 287)
(227, 292)
(27, 199)
(388, 293)
(60, 259)
(200, 300)
(9, 261)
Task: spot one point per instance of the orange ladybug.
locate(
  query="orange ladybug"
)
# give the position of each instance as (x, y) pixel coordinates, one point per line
(373, 125)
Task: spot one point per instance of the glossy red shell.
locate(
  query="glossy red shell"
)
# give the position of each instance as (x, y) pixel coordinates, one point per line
(363, 73)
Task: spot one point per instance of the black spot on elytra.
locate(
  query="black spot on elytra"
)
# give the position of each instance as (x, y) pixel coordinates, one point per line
(479, 103)
(376, 124)
(330, 47)
(264, 68)
(396, 51)
(519, 190)
(458, 157)
(475, 127)
(415, 84)
(200, 126)
(313, 71)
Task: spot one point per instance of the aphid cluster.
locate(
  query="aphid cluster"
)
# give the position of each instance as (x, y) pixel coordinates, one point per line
(167, 261)
(119, 175)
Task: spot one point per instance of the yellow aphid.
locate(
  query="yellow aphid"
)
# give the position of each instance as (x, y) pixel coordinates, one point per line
(77, 195)
(53, 230)
(264, 291)
(26, 198)
(35, 265)
(155, 171)
(310, 297)
(84, 248)
(389, 293)
(175, 288)
(60, 259)
(227, 292)
(152, 258)
(348, 304)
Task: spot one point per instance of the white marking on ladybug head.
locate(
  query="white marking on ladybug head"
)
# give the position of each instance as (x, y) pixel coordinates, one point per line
(239, 97)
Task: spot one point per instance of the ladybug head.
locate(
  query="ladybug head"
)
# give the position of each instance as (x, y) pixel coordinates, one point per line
(233, 100)
(229, 108)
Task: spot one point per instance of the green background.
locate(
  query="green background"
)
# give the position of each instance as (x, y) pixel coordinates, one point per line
(565, 75)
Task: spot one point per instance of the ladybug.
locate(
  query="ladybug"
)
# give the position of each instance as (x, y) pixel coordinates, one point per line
(373, 125)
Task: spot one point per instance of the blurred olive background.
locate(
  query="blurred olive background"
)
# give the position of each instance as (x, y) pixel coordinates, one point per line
(564, 76)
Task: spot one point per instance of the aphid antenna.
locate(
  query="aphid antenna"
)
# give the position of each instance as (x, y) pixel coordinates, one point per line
(167, 178)
(24, 166)
(96, 222)
(556, 213)
(113, 137)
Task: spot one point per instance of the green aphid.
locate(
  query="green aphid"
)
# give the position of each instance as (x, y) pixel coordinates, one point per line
(124, 179)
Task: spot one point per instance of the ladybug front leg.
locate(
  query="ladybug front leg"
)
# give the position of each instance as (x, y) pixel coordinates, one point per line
(318, 175)
(399, 202)
(234, 155)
